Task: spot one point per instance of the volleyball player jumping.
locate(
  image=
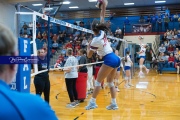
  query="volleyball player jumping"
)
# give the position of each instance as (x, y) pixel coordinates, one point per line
(102, 4)
(108, 68)
(142, 55)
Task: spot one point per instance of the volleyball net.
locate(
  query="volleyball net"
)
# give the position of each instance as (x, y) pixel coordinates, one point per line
(55, 36)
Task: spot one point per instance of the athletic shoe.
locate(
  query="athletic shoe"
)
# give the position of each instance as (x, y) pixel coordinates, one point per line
(112, 107)
(147, 70)
(130, 84)
(117, 89)
(126, 86)
(91, 105)
(71, 105)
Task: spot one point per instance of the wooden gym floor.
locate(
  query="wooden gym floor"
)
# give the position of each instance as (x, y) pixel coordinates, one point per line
(155, 97)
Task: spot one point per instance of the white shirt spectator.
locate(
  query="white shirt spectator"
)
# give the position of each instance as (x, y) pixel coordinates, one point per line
(176, 16)
(162, 49)
(118, 31)
(84, 42)
(71, 61)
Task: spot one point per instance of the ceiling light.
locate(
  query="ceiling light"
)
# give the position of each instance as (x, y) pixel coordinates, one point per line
(37, 4)
(128, 3)
(160, 1)
(92, 0)
(66, 2)
(73, 7)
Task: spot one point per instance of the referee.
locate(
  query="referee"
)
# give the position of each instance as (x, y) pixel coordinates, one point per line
(41, 81)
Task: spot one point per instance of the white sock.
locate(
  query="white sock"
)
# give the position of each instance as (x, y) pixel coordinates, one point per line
(113, 100)
(93, 99)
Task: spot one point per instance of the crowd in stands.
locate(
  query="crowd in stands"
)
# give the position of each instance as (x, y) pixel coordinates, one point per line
(169, 51)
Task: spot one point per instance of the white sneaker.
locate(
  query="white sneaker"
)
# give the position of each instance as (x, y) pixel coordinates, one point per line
(131, 85)
(117, 89)
(112, 107)
(71, 105)
(91, 105)
(126, 86)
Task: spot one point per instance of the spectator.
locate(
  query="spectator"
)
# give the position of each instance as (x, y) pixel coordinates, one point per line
(176, 17)
(154, 62)
(178, 65)
(126, 21)
(166, 57)
(164, 37)
(141, 20)
(71, 75)
(16, 105)
(148, 18)
(30, 28)
(171, 60)
(68, 45)
(173, 41)
(161, 62)
(162, 49)
(39, 36)
(159, 22)
(167, 12)
(84, 42)
(170, 49)
(153, 22)
(166, 43)
(166, 22)
(82, 60)
(118, 31)
(55, 45)
(63, 51)
(25, 26)
(176, 52)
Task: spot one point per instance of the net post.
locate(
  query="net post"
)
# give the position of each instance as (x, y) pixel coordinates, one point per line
(34, 41)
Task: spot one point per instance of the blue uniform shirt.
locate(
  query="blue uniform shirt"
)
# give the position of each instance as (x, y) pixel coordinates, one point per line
(23, 106)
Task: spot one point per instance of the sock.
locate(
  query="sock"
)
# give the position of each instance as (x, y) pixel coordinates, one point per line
(113, 100)
(93, 99)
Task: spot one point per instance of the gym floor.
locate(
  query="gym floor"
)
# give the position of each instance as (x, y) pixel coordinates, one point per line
(154, 97)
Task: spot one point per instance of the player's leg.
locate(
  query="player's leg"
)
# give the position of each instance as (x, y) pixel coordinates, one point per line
(110, 83)
(102, 74)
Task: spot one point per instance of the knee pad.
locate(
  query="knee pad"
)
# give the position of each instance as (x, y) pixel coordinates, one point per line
(97, 83)
(110, 84)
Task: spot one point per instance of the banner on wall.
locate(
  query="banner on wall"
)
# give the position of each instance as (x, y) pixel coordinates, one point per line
(22, 81)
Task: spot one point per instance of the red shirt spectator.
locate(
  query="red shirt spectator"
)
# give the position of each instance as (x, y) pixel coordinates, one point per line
(78, 47)
(69, 45)
(171, 59)
(170, 48)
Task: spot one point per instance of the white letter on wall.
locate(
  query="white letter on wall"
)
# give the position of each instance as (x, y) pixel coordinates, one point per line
(25, 46)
